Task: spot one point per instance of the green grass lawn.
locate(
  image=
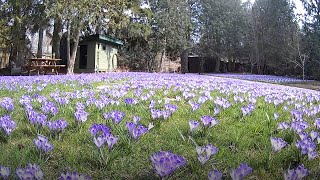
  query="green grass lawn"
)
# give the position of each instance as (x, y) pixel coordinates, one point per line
(239, 138)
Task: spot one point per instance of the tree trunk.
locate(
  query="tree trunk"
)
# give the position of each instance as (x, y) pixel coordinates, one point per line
(217, 67)
(56, 38)
(184, 60)
(40, 43)
(74, 51)
(68, 47)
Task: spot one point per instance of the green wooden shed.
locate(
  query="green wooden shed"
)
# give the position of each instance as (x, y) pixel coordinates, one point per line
(97, 53)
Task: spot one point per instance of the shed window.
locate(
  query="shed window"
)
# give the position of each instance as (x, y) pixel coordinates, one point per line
(104, 48)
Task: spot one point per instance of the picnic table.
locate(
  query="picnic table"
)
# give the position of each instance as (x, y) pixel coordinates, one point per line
(43, 65)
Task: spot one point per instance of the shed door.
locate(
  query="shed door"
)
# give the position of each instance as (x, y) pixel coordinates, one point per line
(83, 56)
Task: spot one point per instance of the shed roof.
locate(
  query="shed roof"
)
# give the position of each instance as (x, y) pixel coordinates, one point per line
(104, 38)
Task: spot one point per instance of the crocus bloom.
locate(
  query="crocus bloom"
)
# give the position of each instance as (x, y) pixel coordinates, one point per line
(277, 144)
(215, 175)
(136, 119)
(42, 144)
(209, 121)
(242, 171)
(283, 125)
(317, 123)
(165, 162)
(7, 125)
(298, 173)
(314, 135)
(135, 130)
(116, 116)
(194, 105)
(32, 171)
(4, 172)
(73, 176)
(81, 115)
(193, 125)
(7, 104)
(205, 152)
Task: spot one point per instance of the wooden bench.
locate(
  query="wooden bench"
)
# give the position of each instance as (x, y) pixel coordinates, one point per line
(43, 68)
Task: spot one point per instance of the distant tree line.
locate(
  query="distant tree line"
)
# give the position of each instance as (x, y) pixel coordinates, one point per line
(265, 37)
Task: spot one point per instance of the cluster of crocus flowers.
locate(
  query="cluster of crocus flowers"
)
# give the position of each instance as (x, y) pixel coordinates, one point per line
(36, 118)
(4, 172)
(307, 146)
(214, 175)
(7, 104)
(221, 102)
(193, 125)
(32, 171)
(283, 125)
(136, 130)
(49, 108)
(205, 152)
(277, 144)
(101, 135)
(194, 106)
(81, 115)
(298, 173)
(246, 110)
(299, 126)
(42, 143)
(130, 101)
(57, 126)
(116, 116)
(73, 176)
(209, 121)
(240, 173)
(165, 162)
(7, 125)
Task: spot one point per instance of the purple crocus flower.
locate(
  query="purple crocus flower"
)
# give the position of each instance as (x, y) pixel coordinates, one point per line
(209, 121)
(317, 123)
(242, 171)
(155, 113)
(314, 135)
(299, 126)
(7, 104)
(32, 171)
(193, 125)
(99, 129)
(205, 152)
(4, 172)
(307, 146)
(277, 144)
(171, 107)
(135, 130)
(111, 140)
(194, 105)
(283, 125)
(215, 175)
(7, 125)
(73, 176)
(116, 116)
(57, 126)
(42, 143)
(276, 116)
(165, 162)
(99, 141)
(81, 115)
(298, 173)
(136, 119)
(130, 101)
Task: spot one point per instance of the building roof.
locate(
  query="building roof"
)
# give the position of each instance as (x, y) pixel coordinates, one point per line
(105, 39)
